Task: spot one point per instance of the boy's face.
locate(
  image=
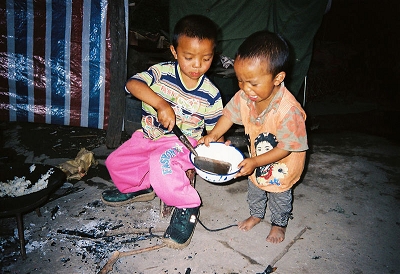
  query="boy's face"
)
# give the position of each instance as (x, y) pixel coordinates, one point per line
(253, 78)
(194, 57)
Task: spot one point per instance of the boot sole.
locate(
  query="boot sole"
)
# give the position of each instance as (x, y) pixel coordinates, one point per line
(141, 198)
(171, 244)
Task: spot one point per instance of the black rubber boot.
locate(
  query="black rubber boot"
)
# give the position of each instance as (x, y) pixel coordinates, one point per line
(116, 198)
(181, 227)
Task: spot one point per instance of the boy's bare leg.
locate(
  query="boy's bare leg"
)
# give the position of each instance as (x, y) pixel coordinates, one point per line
(249, 223)
(276, 234)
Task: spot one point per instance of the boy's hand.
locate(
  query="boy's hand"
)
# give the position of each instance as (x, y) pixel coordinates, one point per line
(217, 133)
(211, 138)
(206, 140)
(166, 116)
(247, 167)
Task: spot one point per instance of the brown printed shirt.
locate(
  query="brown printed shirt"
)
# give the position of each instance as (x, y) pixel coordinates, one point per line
(280, 125)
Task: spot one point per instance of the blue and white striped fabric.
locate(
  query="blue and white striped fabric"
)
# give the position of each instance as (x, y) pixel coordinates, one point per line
(54, 62)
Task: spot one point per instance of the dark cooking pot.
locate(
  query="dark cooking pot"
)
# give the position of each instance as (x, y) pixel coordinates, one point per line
(22, 204)
(28, 202)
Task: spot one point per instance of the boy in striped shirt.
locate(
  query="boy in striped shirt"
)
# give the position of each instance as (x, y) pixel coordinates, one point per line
(153, 161)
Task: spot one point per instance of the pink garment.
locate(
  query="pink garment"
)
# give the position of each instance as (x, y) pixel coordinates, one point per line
(141, 162)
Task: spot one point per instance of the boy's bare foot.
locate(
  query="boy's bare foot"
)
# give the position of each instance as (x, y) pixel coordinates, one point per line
(276, 235)
(248, 224)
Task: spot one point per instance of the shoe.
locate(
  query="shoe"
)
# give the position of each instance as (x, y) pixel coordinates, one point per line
(114, 197)
(181, 227)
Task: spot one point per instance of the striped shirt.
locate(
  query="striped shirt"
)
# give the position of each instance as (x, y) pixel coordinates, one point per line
(195, 109)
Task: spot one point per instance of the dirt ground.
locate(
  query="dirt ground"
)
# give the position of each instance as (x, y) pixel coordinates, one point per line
(346, 217)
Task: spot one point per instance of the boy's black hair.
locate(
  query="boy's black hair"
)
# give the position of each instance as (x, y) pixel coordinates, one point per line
(195, 26)
(268, 46)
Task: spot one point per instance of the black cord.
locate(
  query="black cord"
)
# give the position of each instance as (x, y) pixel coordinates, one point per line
(215, 230)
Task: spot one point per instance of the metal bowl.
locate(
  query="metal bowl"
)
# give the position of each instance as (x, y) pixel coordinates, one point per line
(221, 152)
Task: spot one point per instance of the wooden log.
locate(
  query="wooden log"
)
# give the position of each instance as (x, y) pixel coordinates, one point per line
(119, 254)
(118, 72)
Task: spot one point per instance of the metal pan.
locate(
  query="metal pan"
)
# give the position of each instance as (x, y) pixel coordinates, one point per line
(12, 205)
